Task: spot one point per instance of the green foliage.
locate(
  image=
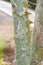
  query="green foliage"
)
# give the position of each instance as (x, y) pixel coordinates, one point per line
(2, 43)
(7, 0)
(2, 54)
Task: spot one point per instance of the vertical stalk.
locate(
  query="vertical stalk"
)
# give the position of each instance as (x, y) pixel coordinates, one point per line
(37, 46)
(22, 31)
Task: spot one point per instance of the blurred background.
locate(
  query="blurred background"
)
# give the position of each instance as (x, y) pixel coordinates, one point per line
(31, 2)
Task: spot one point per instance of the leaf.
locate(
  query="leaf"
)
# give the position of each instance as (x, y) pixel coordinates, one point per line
(29, 22)
(2, 53)
(27, 13)
(2, 43)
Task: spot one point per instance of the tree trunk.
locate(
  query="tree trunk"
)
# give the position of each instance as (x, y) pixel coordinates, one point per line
(37, 48)
(22, 31)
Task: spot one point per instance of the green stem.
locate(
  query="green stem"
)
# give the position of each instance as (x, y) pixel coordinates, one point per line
(22, 32)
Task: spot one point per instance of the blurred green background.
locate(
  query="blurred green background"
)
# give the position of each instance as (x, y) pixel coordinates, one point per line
(31, 2)
(7, 0)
